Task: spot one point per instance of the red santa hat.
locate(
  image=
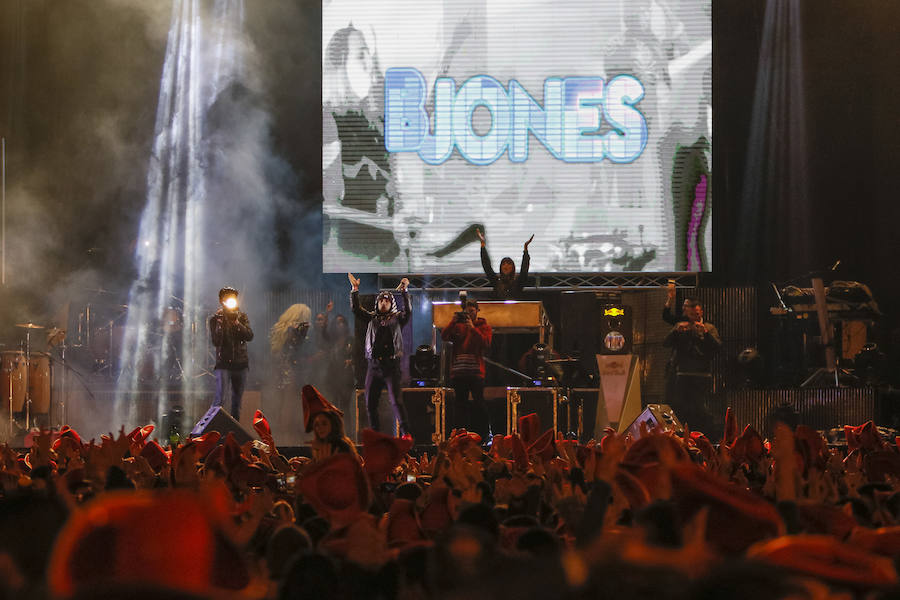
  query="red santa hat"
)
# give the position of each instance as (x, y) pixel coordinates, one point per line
(336, 487)
(314, 403)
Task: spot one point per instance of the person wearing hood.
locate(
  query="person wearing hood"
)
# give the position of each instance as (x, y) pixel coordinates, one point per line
(384, 350)
(507, 286)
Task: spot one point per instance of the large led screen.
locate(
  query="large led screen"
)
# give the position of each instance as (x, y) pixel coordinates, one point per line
(587, 123)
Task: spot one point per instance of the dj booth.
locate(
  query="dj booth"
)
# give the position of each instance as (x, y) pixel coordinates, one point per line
(559, 404)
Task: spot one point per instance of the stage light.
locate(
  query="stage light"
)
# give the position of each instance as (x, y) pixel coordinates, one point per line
(750, 365)
(230, 303)
(870, 364)
(203, 56)
(425, 366)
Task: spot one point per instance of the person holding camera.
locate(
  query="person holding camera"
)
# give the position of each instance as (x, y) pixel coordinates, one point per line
(384, 349)
(229, 329)
(471, 337)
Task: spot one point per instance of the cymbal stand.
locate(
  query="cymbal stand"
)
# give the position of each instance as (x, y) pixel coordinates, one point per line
(109, 351)
(179, 375)
(61, 416)
(27, 386)
(207, 354)
(9, 375)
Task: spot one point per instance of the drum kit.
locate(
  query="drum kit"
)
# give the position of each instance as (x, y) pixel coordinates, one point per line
(25, 380)
(100, 332)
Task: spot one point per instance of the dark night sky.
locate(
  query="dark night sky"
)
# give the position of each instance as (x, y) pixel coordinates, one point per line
(78, 96)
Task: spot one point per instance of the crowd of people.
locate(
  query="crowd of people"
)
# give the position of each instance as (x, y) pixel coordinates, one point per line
(529, 515)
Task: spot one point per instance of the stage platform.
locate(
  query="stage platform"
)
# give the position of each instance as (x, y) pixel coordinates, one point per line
(97, 412)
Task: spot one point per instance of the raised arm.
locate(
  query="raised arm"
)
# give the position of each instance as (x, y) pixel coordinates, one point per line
(668, 315)
(526, 262)
(326, 331)
(355, 308)
(406, 312)
(486, 260)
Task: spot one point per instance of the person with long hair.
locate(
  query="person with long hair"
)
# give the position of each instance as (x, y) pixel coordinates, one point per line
(326, 423)
(384, 350)
(329, 437)
(289, 346)
(358, 187)
(287, 340)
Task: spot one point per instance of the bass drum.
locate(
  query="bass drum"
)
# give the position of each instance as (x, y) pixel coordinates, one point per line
(172, 320)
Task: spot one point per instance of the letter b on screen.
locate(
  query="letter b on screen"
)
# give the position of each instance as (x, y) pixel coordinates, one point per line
(405, 119)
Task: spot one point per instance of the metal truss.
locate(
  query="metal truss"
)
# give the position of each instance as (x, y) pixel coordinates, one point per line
(556, 281)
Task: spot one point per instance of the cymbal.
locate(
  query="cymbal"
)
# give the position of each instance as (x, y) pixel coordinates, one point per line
(29, 326)
(563, 360)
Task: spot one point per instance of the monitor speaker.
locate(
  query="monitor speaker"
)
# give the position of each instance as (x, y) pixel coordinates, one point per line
(656, 415)
(216, 419)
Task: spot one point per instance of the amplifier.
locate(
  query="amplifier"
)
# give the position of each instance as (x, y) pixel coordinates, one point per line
(579, 414)
(427, 410)
(523, 401)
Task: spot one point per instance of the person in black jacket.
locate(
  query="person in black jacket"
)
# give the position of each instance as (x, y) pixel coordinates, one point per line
(694, 342)
(230, 331)
(384, 350)
(507, 286)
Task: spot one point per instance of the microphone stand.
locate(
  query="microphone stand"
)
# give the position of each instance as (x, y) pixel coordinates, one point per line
(507, 369)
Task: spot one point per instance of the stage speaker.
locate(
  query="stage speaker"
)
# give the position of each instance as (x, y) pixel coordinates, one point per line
(591, 326)
(540, 400)
(425, 407)
(577, 327)
(216, 419)
(614, 330)
(655, 415)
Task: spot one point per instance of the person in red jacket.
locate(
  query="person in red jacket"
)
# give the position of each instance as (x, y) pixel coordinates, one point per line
(471, 337)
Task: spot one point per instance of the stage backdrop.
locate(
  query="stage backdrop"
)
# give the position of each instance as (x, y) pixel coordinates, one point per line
(587, 123)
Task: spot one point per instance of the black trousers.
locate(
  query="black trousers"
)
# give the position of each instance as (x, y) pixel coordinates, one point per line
(471, 414)
(380, 375)
(691, 399)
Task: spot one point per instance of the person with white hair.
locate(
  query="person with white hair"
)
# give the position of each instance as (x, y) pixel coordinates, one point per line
(287, 341)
